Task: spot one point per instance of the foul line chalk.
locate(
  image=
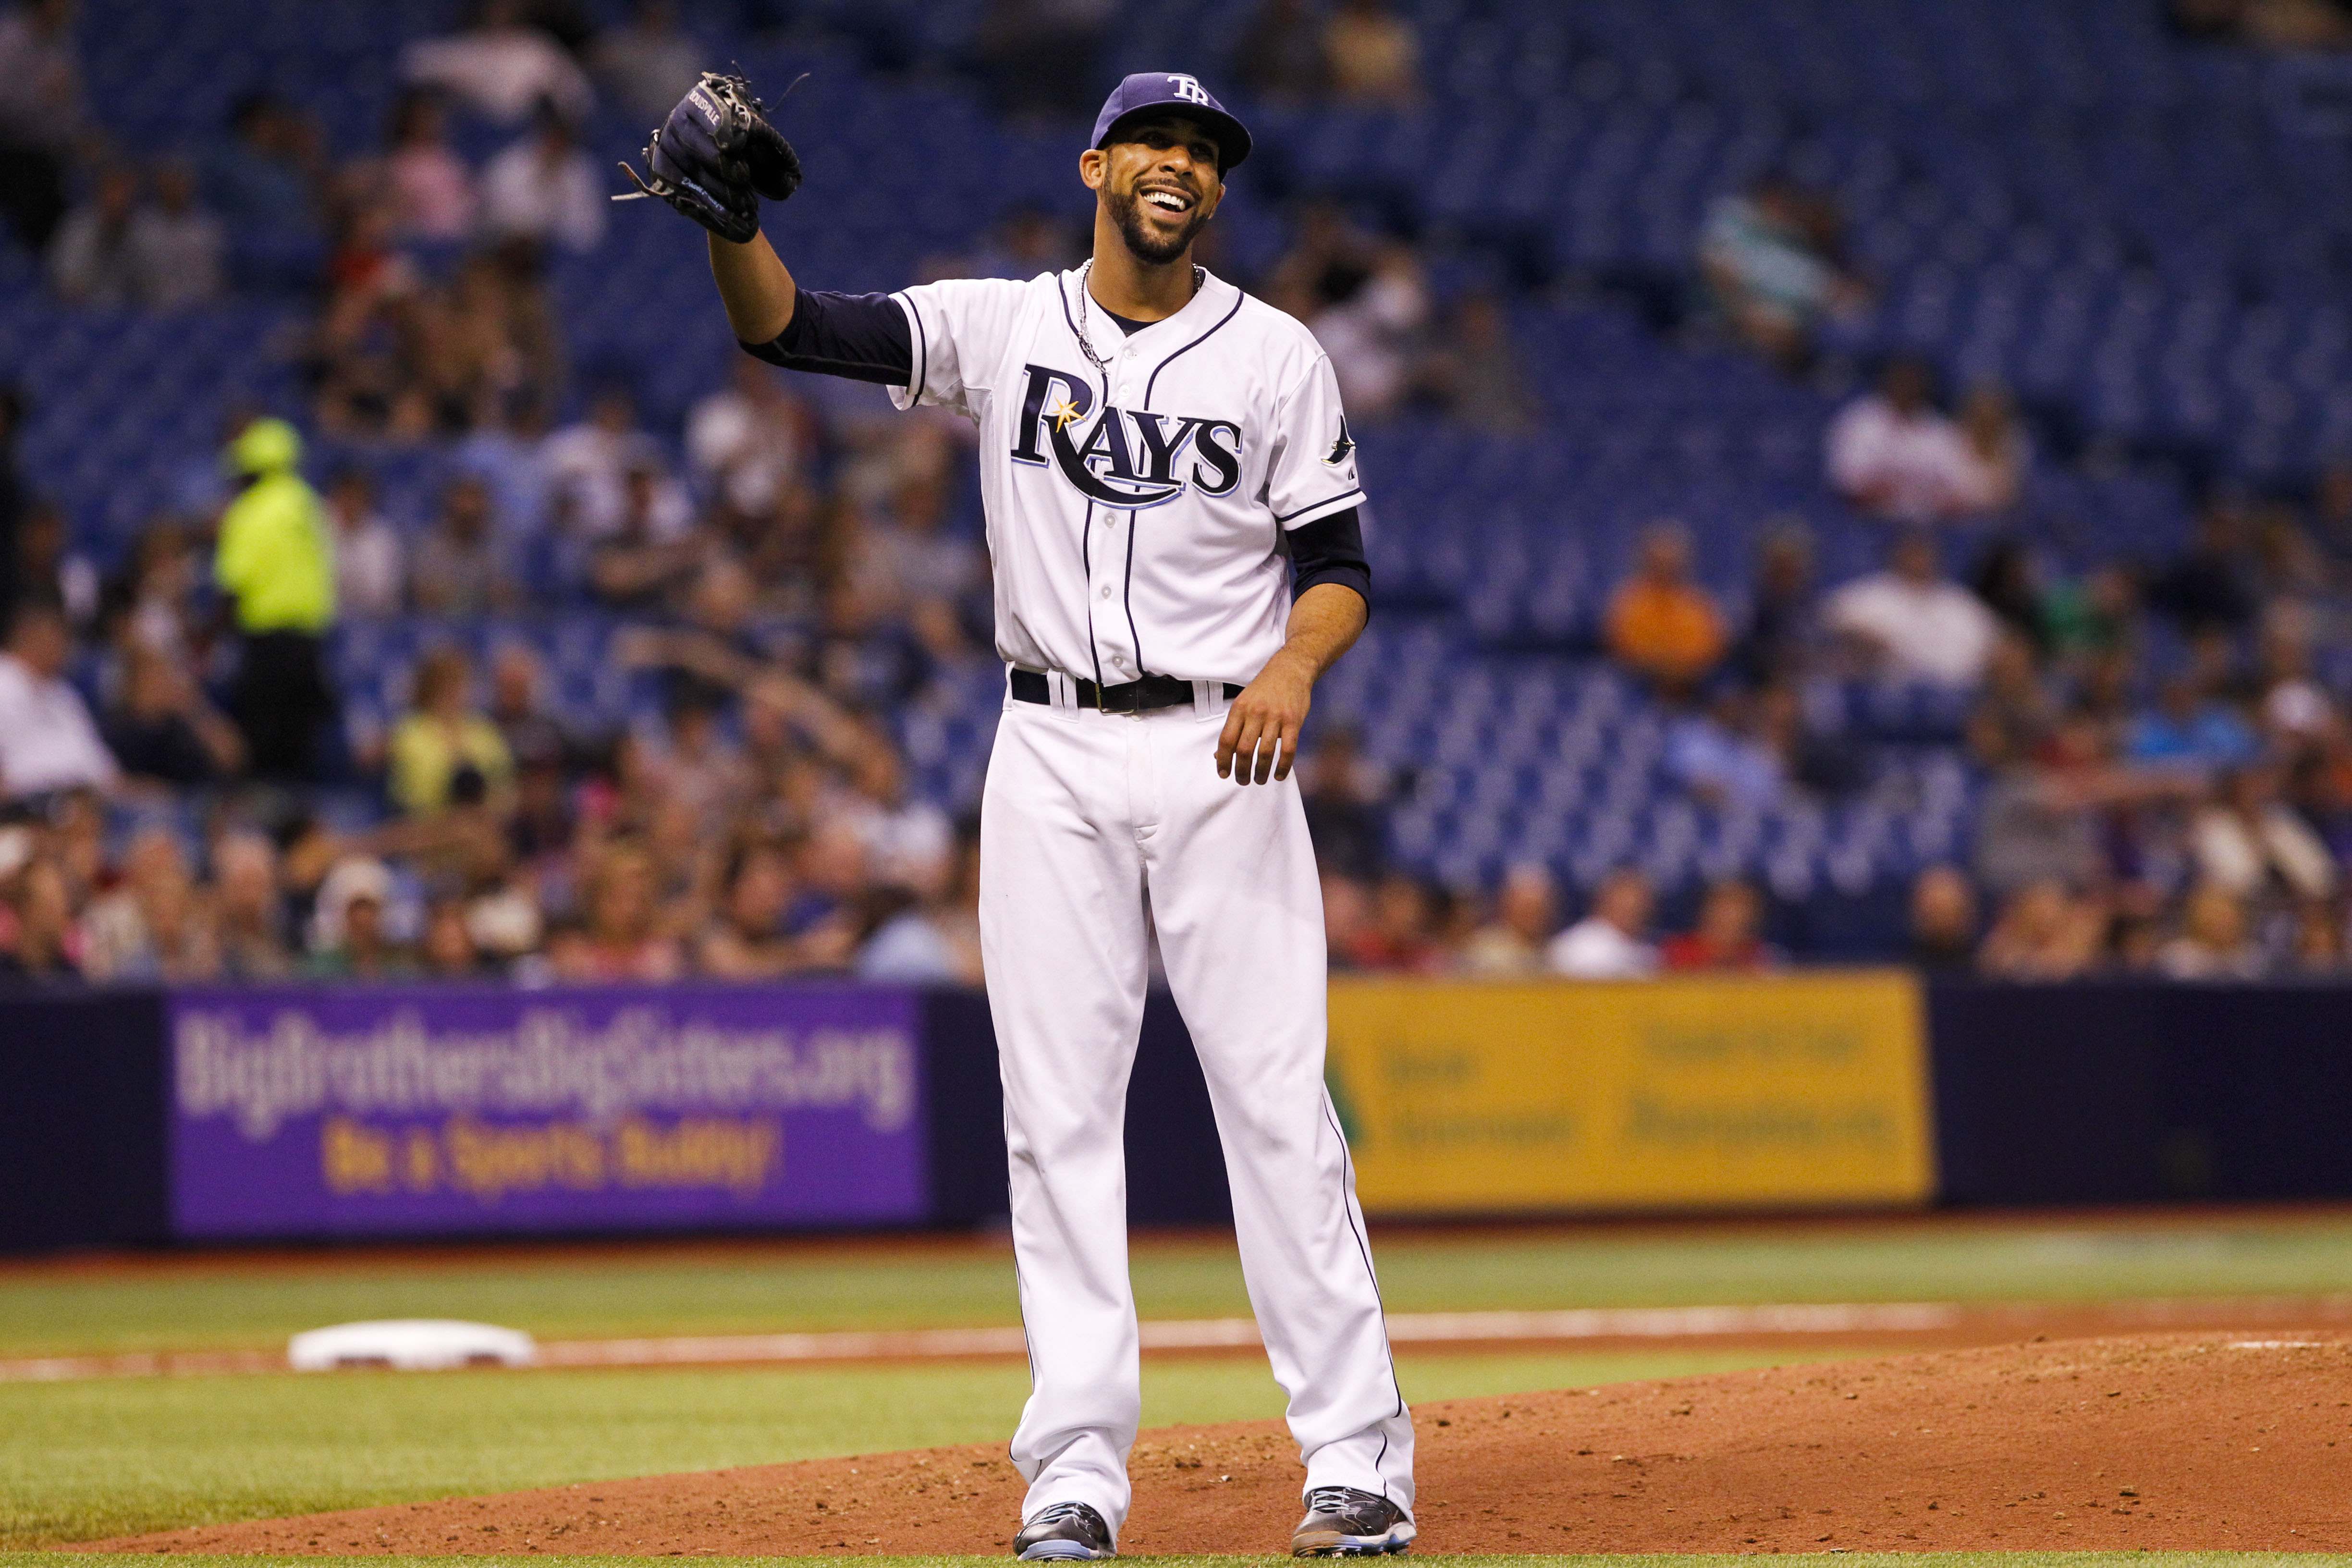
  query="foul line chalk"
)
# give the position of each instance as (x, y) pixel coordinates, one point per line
(1846, 1320)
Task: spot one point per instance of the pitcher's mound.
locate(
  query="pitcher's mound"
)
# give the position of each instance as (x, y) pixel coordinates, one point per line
(2174, 1441)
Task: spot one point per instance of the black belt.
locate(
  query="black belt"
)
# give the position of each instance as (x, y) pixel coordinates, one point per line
(1153, 691)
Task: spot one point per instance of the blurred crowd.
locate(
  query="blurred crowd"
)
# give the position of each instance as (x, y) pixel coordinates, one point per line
(185, 795)
(2168, 777)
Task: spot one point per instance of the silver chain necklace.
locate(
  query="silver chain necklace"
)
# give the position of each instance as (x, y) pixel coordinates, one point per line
(1085, 344)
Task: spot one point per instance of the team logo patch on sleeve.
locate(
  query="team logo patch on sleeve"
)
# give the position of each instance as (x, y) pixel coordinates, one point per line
(1340, 447)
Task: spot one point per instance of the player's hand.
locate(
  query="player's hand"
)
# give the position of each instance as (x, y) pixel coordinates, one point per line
(1263, 726)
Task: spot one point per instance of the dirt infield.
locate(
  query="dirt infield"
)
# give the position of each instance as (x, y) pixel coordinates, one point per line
(2179, 1441)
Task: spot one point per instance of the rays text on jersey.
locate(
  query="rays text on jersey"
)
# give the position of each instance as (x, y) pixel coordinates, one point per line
(1125, 458)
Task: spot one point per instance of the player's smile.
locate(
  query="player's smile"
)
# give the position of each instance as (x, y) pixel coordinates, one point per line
(1168, 195)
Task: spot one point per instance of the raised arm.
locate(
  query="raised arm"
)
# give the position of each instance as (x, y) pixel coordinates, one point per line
(758, 291)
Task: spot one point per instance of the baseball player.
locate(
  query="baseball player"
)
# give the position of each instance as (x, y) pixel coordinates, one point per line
(1171, 497)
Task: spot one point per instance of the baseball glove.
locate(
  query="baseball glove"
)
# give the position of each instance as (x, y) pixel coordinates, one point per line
(716, 156)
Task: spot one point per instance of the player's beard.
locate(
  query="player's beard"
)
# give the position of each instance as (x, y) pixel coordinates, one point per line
(1126, 211)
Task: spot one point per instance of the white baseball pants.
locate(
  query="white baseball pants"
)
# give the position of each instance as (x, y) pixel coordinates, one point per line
(1085, 819)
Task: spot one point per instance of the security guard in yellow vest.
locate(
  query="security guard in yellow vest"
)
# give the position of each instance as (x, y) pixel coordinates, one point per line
(277, 561)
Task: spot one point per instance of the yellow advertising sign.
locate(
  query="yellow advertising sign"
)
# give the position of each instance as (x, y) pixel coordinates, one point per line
(1691, 1093)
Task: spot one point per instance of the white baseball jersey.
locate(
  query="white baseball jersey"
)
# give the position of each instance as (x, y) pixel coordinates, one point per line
(1134, 515)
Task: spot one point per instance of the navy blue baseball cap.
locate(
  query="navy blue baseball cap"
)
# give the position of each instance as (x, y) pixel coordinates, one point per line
(1163, 92)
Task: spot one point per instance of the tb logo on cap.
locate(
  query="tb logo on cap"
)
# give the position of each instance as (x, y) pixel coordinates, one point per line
(1189, 89)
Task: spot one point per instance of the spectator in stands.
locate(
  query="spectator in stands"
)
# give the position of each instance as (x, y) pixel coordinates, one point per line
(151, 926)
(2008, 581)
(348, 939)
(276, 562)
(1943, 922)
(588, 464)
(459, 570)
(1780, 634)
(248, 909)
(2319, 951)
(2248, 843)
(1347, 916)
(265, 182)
(1997, 451)
(745, 939)
(2044, 935)
(1512, 944)
(622, 939)
(826, 916)
(2292, 705)
(913, 558)
(639, 566)
(1728, 935)
(1611, 942)
(2043, 818)
(444, 751)
(180, 250)
(1724, 757)
(44, 121)
(161, 730)
(1475, 375)
(1346, 796)
(151, 600)
(517, 708)
(2189, 729)
(1660, 625)
(1771, 260)
(2210, 587)
(2015, 711)
(1894, 455)
(47, 742)
(646, 62)
(1911, 622)
(1025, 241)
(905, 946)
(910, 842)
(696, 765)
(48, 941)
(428, 187)
(446, 949)
(1372, 329)
(47, 566)
(2215, 941)
(544, 187)
(1399, 939)
(753, 441)
(1370, 56)
(93, 259)
(501, 66)
(370, 578)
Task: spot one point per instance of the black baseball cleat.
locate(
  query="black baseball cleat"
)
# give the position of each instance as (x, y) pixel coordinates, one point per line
(1344, 1523)
(1064, 1531)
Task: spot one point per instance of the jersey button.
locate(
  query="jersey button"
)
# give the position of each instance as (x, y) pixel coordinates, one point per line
(1106, 592)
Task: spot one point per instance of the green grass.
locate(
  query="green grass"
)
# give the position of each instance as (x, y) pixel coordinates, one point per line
(79, 1460)
(559, 1295)
(84, 1460)
(1662, 1560)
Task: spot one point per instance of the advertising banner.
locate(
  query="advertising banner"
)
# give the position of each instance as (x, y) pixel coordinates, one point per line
(1698, 1092)
(420, 1110)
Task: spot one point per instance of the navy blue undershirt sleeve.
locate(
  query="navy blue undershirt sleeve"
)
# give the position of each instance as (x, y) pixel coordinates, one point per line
(863, 337)
(1330, 550)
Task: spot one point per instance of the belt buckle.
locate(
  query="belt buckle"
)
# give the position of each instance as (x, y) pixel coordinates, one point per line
(1124, 697)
